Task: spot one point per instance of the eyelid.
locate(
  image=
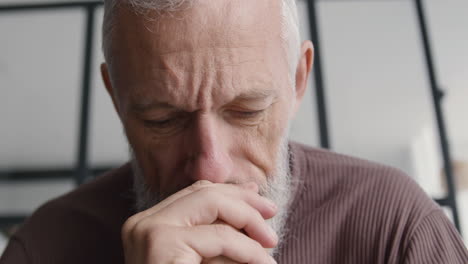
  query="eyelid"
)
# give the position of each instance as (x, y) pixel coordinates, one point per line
(247, 114)
(251, 112)
(158, 123)
(166, 121)
(252, 106)
(161, 117)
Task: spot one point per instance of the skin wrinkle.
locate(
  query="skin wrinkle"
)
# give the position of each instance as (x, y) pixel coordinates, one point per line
(204, 74)
(148, 101)
(259, 133)
(234, 58)
(164, 78)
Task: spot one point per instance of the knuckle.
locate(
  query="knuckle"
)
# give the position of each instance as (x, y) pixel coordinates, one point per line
(210, 194)
(202, 183)
(143, 230)
(223, 230)
(128, 225)
(138, 230)
(156, 236)
(183, 260)
(199, 185)
(148, 233)
(133, 220)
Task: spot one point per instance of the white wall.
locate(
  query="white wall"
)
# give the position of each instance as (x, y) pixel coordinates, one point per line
(377, 86)
(377, 89)
(39, 61)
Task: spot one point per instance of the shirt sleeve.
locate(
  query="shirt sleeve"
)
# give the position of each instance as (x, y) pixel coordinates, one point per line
(14, 253)
(435, 240)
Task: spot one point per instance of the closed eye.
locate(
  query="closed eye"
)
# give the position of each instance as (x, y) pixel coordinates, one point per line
(247, 114)
(159, 123)
(167, 125)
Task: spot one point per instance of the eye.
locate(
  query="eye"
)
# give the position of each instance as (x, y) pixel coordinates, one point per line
(160, 123)
(247, 114)
(246, 117)
(167, 125)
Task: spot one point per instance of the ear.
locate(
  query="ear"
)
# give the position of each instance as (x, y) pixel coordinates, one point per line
(303, 69)
(108, 85)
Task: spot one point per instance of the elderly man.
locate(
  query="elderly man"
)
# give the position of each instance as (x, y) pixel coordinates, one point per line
(205, 91)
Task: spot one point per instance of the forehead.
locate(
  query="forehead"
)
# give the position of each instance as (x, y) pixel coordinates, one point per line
(227, 37)
(217, 23)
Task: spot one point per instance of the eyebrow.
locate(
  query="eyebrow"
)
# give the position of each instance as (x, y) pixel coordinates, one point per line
(142, 107)
(255, 95)
(252, 95)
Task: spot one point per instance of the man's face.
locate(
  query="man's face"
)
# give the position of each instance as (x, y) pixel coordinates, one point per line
(203, 94)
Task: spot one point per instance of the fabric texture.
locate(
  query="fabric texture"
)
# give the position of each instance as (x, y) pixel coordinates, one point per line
(344, 210)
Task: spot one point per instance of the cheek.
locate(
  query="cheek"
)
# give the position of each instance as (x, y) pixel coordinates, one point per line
(157, 157)
(137, 135)
(261, 143)
(275, 126)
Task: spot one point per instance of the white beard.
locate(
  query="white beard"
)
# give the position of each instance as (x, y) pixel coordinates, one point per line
(278, 189)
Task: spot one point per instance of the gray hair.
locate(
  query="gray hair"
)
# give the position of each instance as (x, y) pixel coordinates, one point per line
(289, 35)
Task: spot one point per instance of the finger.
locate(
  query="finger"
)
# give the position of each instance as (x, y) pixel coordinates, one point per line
(219, 260)
(210, 207)
(133, 220)
(182, 193)
(264, 206)
(252, 186)
(245, 191)
(213, 194)
(249, 186)
(223, 240)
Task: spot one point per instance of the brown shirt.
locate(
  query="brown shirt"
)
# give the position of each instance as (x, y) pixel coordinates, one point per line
(344, 210)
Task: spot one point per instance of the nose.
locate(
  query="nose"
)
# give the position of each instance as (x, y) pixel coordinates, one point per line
(208, 152)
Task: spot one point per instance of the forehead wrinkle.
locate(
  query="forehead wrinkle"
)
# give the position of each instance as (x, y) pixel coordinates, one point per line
(204, 75)
(141, 107)
(155, 85)
(240, 88)
(230, 39)
(207, 58)
(204, 90)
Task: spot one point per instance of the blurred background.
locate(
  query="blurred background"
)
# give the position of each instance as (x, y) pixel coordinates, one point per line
(370, 96)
